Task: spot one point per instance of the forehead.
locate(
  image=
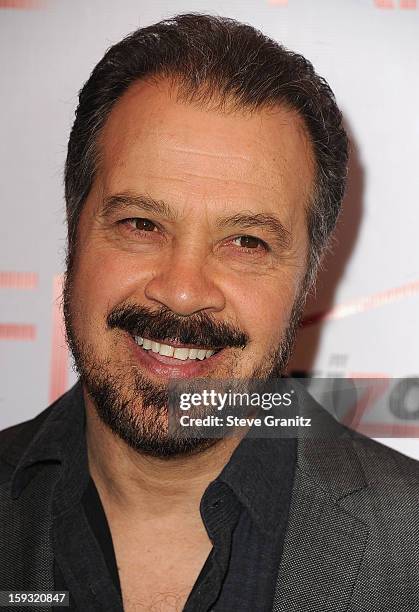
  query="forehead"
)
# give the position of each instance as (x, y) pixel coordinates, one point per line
(154, 143)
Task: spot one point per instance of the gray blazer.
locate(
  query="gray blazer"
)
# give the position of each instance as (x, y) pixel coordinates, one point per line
(352, 542)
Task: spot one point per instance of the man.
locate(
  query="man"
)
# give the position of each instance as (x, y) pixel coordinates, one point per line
(205, 172)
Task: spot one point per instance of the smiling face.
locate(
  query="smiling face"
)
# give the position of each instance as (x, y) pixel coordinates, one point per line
(191, 253)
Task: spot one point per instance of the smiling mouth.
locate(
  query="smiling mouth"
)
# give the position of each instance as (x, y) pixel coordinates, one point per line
(180, 352)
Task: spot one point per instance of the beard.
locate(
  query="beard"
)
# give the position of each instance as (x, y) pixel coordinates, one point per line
(135, 407)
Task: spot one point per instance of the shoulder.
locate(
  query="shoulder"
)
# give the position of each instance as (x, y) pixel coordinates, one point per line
(15, 440)
(343, 458)
(382, 463)
(352, 467)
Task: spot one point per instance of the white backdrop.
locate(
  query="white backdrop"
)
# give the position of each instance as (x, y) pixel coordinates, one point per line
(364, 318)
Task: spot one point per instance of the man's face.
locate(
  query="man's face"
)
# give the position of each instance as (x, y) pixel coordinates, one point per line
(193, 242)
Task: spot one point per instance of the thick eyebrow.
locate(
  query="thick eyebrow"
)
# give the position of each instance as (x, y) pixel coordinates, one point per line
(144, 203)
(270, 223)
(242, 220)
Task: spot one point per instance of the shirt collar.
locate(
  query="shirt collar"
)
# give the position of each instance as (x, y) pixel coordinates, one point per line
(261, 475)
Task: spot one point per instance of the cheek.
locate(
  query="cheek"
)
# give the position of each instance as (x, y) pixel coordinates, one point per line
(263, 308)
(106, 279)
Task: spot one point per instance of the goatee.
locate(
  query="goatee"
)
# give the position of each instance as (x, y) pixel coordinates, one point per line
(135, 407)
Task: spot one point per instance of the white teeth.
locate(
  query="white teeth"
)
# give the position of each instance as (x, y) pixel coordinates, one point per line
(181, 353)
(155, 347)
(167, 350)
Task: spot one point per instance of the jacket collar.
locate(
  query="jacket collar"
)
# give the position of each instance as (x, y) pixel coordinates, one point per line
(55, 436)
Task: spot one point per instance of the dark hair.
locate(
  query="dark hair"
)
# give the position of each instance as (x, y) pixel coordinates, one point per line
(214, 60)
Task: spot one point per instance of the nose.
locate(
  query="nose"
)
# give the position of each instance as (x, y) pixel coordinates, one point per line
(183, 284)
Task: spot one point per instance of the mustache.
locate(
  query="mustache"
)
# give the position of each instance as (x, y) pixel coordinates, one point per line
(164, 325)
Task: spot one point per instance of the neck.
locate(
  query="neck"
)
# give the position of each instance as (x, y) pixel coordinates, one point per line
(133, 484)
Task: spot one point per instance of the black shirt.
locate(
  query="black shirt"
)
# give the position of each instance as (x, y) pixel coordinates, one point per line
(97, 520)
(244, 510)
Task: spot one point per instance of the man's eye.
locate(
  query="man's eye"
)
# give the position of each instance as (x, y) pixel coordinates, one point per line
(142, 224)
(249, 242)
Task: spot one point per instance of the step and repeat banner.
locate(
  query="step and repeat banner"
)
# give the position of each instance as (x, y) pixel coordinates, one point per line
(363, 320)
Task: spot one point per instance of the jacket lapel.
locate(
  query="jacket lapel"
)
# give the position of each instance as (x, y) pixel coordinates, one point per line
(322, 553)
(325, 540)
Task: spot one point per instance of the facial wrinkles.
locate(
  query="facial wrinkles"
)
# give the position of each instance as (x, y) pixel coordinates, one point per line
(174, 148)
(198, 197)
(181, 180)
(215, 166)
